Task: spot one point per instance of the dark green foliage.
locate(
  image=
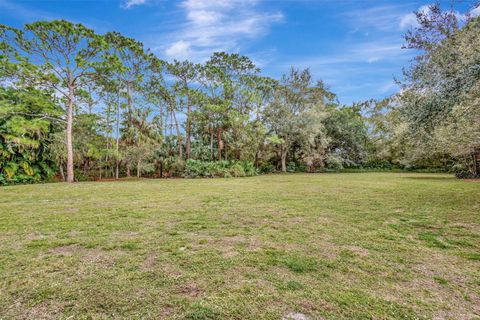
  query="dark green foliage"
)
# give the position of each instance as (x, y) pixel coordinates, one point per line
(222, 118)
(347, 130)
(224, 169)
(267, 167)
(296, 167)
(466, 175)
(27, 121)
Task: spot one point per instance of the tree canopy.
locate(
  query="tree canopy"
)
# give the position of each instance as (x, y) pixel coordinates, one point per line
(78, 105)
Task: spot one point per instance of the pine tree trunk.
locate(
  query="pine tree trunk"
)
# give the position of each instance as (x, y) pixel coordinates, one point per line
(220, 143)
(211, 145)
(476, 163)
(117, 141)
(62, 174)
(129, 104)
(179, 135)
(68, 135)
(188, 129)
(283, 156)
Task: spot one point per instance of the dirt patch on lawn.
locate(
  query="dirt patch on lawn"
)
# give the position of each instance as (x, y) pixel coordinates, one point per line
(44, 310)
(362, 252)
(228, 246)
(171, 270)
(67, 250)
(295, 316)
(149, 263)
(95, 256)
(189, 290)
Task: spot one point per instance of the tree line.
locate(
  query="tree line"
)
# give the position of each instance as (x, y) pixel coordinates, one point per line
(77, 105)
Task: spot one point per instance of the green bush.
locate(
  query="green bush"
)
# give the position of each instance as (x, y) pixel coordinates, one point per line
(296, 167)
(466, 175)
(220, 169)
(267, 167)
(334, 162)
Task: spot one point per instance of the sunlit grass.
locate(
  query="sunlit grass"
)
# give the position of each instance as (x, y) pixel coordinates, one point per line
(332, 246)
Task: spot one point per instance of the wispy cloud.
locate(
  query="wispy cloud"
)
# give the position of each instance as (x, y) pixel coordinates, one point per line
(370, 52)
(380, 18)
(475, 12)
(216, 25)
(127, 4)
(24, 12)
(409, 20)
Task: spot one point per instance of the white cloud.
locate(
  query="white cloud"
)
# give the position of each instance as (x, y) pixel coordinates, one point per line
(216, 25)
(131, 3)
(383, 18)
(410, 19)
(369, 52)
(475, 12)
(179, 49)
(388, 87)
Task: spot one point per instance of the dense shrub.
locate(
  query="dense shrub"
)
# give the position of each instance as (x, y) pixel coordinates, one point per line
(296, 167)
(466, 175)
(334, 162)
(267, 167)
(224, 169)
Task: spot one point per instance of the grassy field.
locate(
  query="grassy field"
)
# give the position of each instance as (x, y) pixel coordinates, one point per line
(323, 246)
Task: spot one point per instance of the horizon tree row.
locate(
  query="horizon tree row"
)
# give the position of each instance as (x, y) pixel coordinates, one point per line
(80, 105)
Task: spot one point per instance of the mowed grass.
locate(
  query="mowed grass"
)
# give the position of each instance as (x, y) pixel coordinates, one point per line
(328, 246)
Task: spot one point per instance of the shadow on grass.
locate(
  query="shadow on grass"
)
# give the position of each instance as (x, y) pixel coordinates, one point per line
(432, 178)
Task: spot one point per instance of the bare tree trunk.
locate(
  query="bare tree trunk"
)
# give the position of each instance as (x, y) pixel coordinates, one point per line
(85, 166)
(68, 134)
(129, 104)
(62, 174)
(160, 110)
(220, 143)
(188, 129)
(117, 141)
(211, 144)
(129, 118)
(476, 163)
(179, 134)
(138, 169)
(283, 156)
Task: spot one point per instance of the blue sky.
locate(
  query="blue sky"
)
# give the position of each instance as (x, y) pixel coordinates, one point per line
(354, 46)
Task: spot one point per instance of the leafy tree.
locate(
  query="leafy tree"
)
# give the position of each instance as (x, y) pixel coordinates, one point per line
(185, 73)
(67, 56)
(295, 116)
(131, 69)
(28, 119)
(347, 132)
(439, 100)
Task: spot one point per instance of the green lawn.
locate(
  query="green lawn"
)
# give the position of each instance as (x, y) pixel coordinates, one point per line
(328, 246)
